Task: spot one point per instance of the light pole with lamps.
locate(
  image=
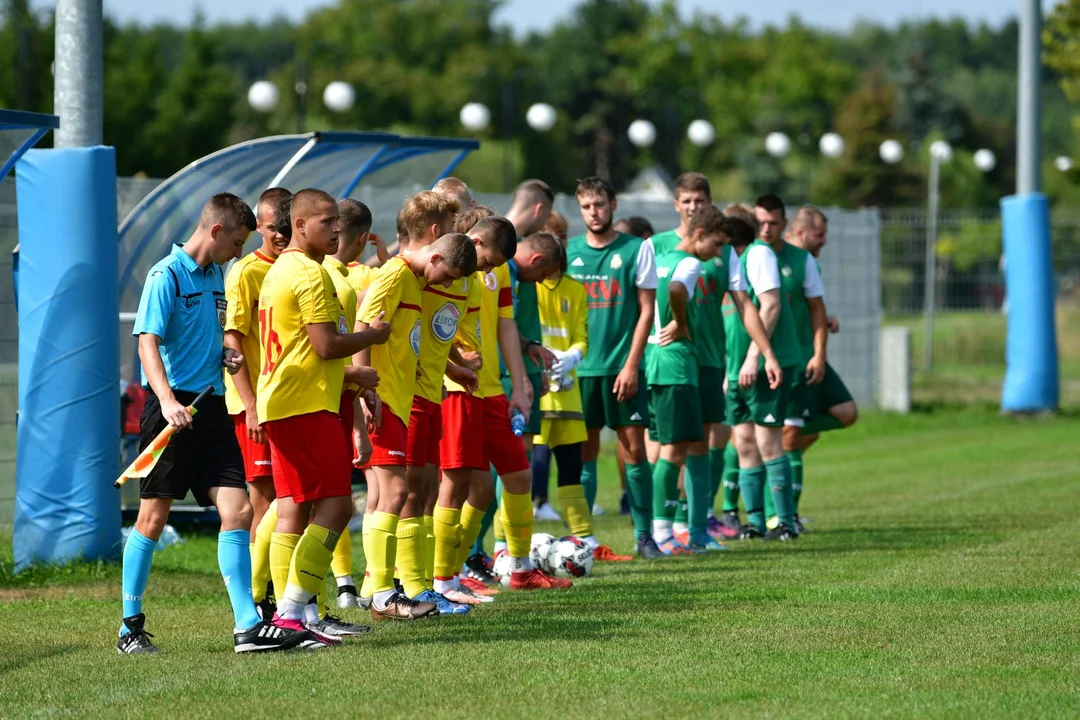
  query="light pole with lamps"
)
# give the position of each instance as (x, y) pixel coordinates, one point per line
(700, 132)
(338, 96)
(830, 145)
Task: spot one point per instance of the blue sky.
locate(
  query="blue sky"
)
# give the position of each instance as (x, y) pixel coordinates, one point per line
(527, 14)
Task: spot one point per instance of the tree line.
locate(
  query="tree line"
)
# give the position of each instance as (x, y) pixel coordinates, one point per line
(175, 93)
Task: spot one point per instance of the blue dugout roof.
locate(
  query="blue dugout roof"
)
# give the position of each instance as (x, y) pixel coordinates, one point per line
(20, 131)
(345, 164)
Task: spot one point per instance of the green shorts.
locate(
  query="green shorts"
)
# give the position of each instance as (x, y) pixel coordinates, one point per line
(830, 392)
(760, 404)
(537, 380)
(675, 414)
(711, 392)
(803, 398)
(603, 410)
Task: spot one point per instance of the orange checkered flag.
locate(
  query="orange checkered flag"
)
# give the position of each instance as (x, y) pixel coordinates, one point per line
(141, 466)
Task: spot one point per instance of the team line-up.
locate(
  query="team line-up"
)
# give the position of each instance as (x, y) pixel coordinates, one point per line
(434, 373)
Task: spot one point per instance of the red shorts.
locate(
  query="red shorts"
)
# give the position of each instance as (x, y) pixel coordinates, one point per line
(476, 431)
(425, 430)
(256, 455)
(347, 413)
(311, 458)
(390, 444)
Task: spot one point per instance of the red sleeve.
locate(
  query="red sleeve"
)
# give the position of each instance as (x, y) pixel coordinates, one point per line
(506, 298)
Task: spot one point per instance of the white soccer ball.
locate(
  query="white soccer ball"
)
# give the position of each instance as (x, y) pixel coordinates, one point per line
(502, 567)
(570, 557)
(539, 548)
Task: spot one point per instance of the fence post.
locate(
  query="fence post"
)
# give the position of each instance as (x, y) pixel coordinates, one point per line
(931, 263)
(894, 388)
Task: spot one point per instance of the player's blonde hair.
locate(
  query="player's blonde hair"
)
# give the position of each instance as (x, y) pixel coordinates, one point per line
(455, 188)
(425, 209)
(557, 225)
(467, 219)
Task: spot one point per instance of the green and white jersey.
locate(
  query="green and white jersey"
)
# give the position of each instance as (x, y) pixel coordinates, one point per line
(612, 275)
(800, 280)
(762, 270)
(718, 276)
(665, 242)
(676, 363)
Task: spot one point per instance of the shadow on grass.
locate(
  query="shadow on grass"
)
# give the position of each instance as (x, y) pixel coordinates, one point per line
(19, 659)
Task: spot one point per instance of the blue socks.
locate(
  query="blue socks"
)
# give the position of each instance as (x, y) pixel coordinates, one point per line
(234, 559)
(138, 553)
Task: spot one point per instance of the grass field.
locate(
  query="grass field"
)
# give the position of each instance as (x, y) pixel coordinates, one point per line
(941, 580)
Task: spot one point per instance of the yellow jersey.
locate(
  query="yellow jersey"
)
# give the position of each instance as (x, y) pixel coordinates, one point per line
(346, 292)
(482, 334)
(361, 275)
(443, 310)
(294, 380)
(396, 292)
(564, 326)
(242, 315)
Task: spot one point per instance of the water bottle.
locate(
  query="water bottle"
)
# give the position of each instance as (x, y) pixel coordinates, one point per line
(517, 422)
(169, 536)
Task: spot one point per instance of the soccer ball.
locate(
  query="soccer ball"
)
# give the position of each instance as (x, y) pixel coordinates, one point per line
(501, 568)
(570, 557)
(540, 547)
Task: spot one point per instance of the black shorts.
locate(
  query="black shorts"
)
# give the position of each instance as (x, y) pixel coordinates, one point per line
(203, 457)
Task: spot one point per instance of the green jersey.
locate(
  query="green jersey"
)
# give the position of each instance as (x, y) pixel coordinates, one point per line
(677, 362)
(665, 242)
(612, 275)
(801, 280)
(760, 264)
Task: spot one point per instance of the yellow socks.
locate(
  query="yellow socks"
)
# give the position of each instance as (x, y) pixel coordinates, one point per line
(575, 509)
(307, 574)
(498, 527)
(516, 511)
(282, 547)
(429, 549)
(260, 553)
(410, 555)
(341, 564)
(365, 537)
(383, 541)
(447, 545)
(471, 520)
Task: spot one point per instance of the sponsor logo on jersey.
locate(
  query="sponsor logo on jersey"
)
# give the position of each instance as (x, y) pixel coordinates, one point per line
(616, 261)
(444, 322)
(414, 337)
(603, 289)
(489, 281)
(342, 326)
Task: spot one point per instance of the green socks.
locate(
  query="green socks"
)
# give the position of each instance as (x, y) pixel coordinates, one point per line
(770, 510)
(795, 460)
(588, 483)
(822, 422)
(665, 490)
(731, 478)
(716, 473)
(779, 475)
(639, 491)
(682, 512)
(752, 485)
(699, 491)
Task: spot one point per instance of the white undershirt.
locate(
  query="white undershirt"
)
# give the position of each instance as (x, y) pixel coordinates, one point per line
(645, 278)
(812, 285)
(762, 270)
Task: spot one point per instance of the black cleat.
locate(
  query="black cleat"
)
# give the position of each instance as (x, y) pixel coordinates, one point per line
(477, 569)
(647, 548)
(266, 609)
(782, 533)
(267, 637)
(137, 640)
(799, 527)
(749, 532)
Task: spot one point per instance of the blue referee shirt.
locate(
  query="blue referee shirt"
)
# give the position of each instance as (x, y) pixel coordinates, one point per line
(184, 305)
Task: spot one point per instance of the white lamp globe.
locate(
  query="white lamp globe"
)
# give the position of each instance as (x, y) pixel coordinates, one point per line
(339, 96)
(263, 96)
(941, 151)
(984, 160)
(701, 132)
(831, 145)
(891, 151)
(1063, 163)
(475, 116)
(777, 144)
(541, 117)
(642, 133)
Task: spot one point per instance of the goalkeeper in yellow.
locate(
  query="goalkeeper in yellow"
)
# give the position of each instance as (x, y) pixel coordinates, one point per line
(563, 324)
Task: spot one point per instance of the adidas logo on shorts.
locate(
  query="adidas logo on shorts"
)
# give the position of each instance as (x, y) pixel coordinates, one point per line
(636, 416)
(770, 418)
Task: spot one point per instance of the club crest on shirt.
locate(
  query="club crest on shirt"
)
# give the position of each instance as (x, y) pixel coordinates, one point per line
(342, 326)
(444, 322)
(489, 281)
(717, 262)
(616, 261)
(785, 271)
(414, 337)
(221, 304)
(564, 303)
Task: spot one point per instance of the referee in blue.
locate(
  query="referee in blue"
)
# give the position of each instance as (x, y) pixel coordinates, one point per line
(180, 331)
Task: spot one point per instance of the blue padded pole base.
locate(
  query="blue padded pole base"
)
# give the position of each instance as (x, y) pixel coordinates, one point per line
(69, 364)
(1031, 375)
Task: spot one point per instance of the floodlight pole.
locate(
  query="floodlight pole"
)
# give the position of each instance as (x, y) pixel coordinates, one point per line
(78, 95)
(1029, 110)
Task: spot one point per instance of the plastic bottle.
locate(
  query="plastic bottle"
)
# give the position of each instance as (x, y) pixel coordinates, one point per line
(517, 422)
